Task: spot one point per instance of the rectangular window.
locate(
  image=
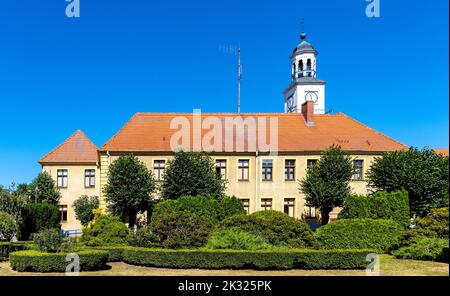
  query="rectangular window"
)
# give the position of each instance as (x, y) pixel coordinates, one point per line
(289, 206)
(310, 163)
(289, 170)
(89, 178)
(221, 168)
(158, 169)
(310, 212)
(246, 204)
(266, 204)
(267, 167)
(357, 170)
(62, 178)
(63, 213)
(243, 170)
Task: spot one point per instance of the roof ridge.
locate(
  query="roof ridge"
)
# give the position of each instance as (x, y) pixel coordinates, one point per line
(372, 129)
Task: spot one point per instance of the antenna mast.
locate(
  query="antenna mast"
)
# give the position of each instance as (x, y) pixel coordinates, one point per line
(239, 80)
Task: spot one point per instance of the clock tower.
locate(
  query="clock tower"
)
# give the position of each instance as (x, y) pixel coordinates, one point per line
(304, 85)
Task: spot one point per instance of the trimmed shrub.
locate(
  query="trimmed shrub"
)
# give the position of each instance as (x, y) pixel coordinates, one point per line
(236, 239)
(434, 225)
(48, 240)
(380, 205)
(8, 226)
(434, 249)
(103, 231)
(9, 247)
(84, 206)
(34, 261)
(115, 254)
(275, 227)
(256, 259)
(230, 206)
(37, 217)
(141, 238)
(180, 229)
(380, 235)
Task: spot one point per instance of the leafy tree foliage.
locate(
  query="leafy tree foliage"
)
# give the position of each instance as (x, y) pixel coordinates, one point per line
(84, 206)
(48, 240)
(129, 188)
(12, 202)
(8, 226)
(423, 173)
(43, 189)
(192, 173)
(327, 184)
(104, 230)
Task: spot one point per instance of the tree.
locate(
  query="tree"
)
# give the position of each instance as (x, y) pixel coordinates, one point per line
(327, 184)
(84, 206)
(194, 174)
(129, 188)
(423, 173)
(8, 226)
(43, 189)
(12, 202)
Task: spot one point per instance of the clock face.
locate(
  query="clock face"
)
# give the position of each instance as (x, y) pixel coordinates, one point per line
(311, 96)
(290, 104)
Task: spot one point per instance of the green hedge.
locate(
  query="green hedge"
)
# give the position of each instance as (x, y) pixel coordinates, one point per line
(380, 235)
(115, 254)
(7, 247)
(255, 259)
(34, 261)
(380, 205)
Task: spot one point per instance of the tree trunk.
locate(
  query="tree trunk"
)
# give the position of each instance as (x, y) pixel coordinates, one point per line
(325, 216)
(131, 219)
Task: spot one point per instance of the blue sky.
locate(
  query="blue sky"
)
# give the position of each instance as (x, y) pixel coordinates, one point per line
(93, 73)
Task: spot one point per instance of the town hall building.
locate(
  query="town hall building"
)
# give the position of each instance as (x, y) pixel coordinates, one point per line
(262, 180)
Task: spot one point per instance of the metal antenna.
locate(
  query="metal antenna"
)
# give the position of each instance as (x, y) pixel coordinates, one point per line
(239, 80)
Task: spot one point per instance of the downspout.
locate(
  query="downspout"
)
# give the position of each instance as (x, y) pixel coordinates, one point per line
(256, 180)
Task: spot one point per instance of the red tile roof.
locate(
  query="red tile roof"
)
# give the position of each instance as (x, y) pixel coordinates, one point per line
(442, 151)
(151, 132)
(78, 148)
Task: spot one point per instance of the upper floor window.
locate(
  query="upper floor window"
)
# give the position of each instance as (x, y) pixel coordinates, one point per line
(89, 178)
(158, 169)
(289, 170)
(358, 169)
(310, 163)
(62, 178)
(221, 168)
(243, 169)
(267, 169)
(266, 204)
(63, 213)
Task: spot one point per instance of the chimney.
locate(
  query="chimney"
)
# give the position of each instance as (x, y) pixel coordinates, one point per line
(308, 112)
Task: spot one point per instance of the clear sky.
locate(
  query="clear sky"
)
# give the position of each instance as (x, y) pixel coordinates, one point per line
(93, 73)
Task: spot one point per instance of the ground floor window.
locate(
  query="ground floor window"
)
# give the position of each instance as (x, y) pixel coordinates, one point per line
(63, 213)
(310, 212)
(289, 206)
(246, 204)
(266, 204)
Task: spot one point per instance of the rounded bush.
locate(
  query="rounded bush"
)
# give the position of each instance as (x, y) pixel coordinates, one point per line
(141, 238)
(34, 261)
(434, 249)
(380, 235)
(48, 240)
(236, 239)
(275, 227)
(103, 231)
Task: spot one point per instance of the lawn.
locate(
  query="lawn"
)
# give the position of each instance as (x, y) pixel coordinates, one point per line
(389, 267)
